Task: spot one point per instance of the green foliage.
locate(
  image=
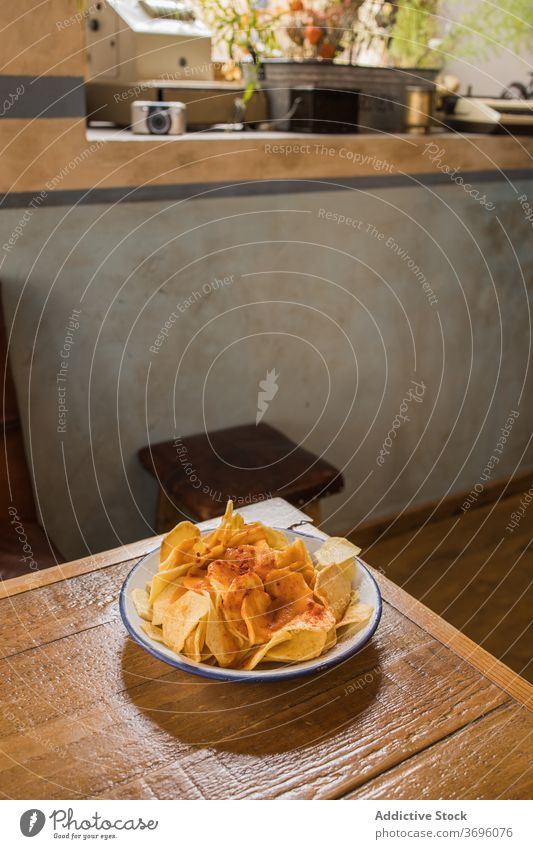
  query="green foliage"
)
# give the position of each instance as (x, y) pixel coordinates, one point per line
(414, 33)
(414, 26)
(243, 27)
(489, 26)
(417, 37)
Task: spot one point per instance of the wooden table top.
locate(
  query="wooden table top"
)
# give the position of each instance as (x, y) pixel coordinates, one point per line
(421, 713)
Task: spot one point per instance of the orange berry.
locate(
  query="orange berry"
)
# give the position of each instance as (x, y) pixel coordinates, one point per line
(327, 50)
(313, 34)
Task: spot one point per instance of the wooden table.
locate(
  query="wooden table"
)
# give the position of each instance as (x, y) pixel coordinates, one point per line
(422, 712)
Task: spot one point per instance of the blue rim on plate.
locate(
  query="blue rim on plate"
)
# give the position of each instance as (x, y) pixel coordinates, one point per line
(282, 673)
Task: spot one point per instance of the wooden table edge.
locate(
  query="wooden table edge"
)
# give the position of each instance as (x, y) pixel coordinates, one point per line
(75, 568)
(474, 654)
(465, 648)
(129, 551)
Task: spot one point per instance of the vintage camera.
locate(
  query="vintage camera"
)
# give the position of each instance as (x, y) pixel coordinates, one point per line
(159, 119)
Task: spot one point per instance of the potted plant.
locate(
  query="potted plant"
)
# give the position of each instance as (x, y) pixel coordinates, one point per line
(342, 45)
(355, 45)
(317, 30)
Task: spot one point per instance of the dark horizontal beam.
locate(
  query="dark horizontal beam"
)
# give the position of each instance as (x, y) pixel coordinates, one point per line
(41, 97)
(198, 191)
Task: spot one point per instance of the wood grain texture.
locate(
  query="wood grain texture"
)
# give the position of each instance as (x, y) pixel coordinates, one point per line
(119, 716)
(87, 713)
(498, 672)
(68, 607)
(463, 646)
(241, 462)
(473, 572)
(280, 514)
(466, 765)
(379, 531)
(36, 151)
(65, 571)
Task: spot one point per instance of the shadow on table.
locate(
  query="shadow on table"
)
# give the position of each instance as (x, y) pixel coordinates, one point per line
(251, 718)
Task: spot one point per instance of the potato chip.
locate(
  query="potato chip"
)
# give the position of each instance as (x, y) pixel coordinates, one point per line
(333, 587)
(221, 574)
(233, 597)
(263, 558)
(179, 590)
(165, 598)
(274, 538)
(302, 644)
(297, 558)
(161, 580)
(196, 580)
(179, 534)
(182, 617)
(200, 554)
(141, 600)
(355, 613)
(242, 595)
(184, 554)
(315, 617)
(216, 551)
(294, 552)
(220, 642)
(331, 639)
(258, 558)
(194, 642)
(255, 606)
(229, 523)
(247, 535)
(284, 585)
(153, 631)
(251, 660)
(303, 638)
(335, 550)
(228, 517)
(289, 593)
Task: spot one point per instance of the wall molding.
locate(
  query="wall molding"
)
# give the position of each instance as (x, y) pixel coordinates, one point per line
(249, 188)
(41, 97)
(432, 511)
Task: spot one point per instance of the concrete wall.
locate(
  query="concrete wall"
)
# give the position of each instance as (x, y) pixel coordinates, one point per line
(332, 307)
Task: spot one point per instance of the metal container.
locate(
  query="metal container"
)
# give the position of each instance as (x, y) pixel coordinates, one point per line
(317, 111)
(419, 107)
(382, 91)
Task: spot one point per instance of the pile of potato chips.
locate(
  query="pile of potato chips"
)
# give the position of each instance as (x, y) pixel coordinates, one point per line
(243, 595)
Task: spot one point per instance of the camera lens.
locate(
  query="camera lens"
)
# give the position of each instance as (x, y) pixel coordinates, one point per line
(158, 121)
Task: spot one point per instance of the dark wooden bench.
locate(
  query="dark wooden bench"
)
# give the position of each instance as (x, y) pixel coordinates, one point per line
(248, 463)
(24, 546)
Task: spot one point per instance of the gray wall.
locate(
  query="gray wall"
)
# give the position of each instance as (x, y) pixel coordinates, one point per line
(343, 319)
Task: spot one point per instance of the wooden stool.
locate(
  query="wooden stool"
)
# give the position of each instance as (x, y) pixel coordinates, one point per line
(250, 463)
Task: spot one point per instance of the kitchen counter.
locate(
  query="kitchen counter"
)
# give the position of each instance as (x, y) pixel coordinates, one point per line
(60, 156)
(47, 152)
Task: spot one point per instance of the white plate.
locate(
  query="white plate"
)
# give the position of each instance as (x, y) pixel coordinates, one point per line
(349, 643)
